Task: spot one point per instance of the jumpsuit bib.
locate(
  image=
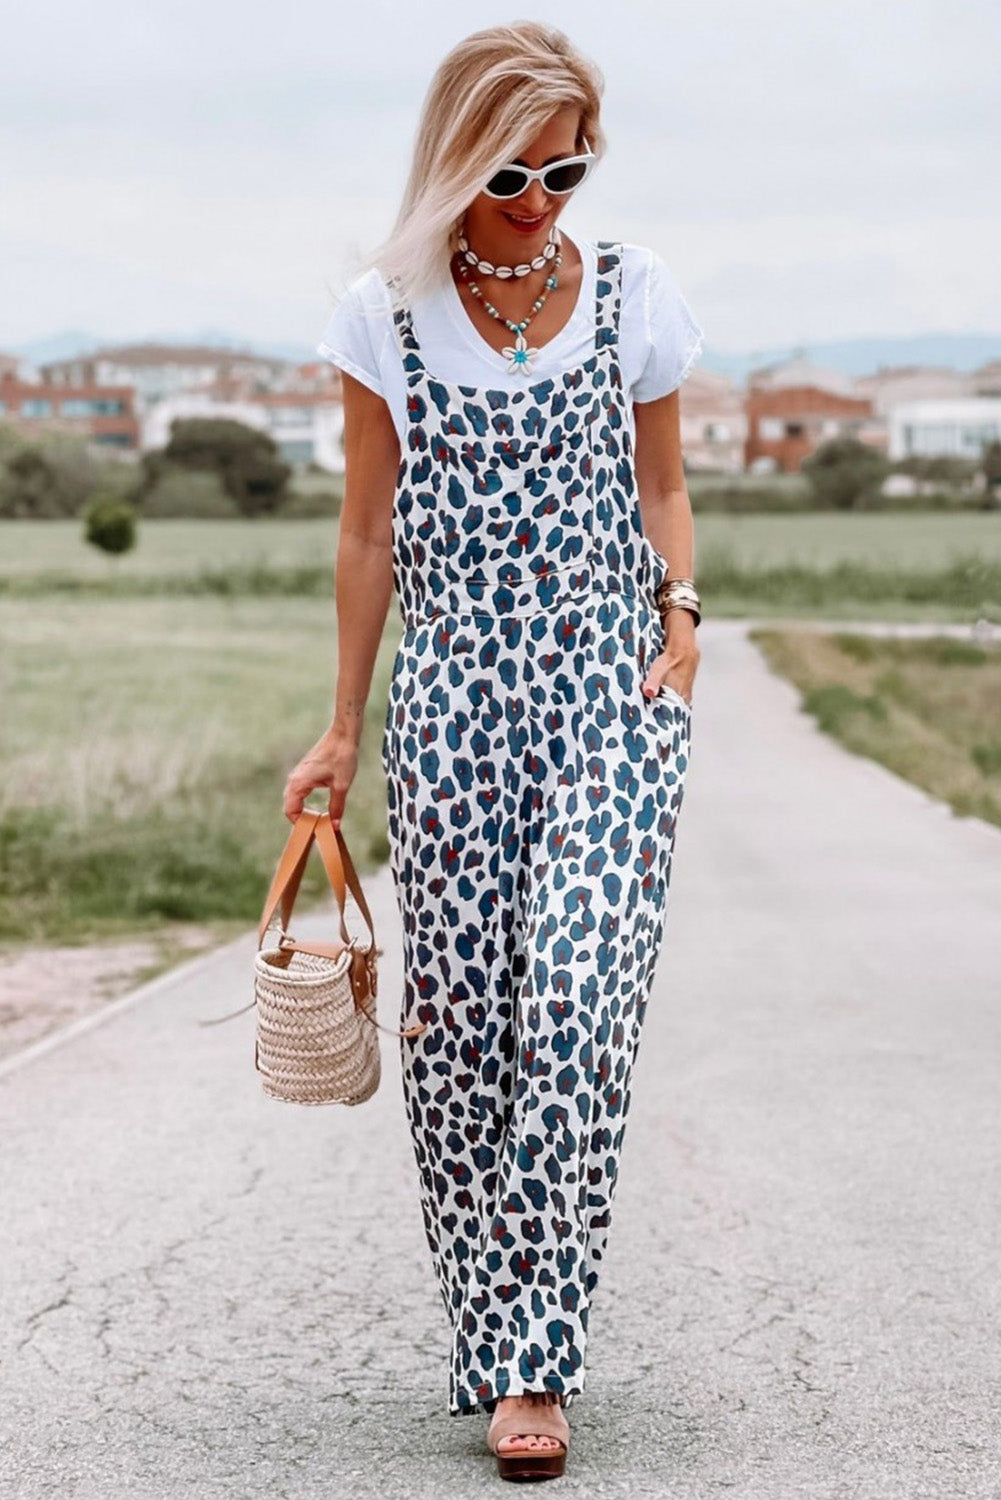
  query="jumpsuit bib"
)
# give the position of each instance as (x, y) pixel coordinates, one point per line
(533, 795)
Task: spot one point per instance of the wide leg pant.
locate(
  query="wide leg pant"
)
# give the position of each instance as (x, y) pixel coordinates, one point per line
(533, 802)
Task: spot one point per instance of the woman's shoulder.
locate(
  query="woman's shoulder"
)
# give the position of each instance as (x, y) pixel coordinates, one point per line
(642, 265)
(635, 258)
(645, 273)
(658, 326)
(356, 333)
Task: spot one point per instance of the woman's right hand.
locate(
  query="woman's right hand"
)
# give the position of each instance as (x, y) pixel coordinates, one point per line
(332, 762)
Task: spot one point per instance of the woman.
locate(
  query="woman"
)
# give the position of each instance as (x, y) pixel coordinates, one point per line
(513, 467)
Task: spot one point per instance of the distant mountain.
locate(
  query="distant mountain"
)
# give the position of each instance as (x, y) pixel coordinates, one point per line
(859, 356)
(863, 356)
(58, 346)
(299, 353)
(71, 344)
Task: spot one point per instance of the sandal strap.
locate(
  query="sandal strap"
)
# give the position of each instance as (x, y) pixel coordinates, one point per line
(525, 1424)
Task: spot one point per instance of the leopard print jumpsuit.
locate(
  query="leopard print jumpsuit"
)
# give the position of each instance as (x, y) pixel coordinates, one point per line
(533, 796)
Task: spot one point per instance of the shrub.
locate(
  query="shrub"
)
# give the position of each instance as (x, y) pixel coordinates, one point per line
(110, 524)
(30, 486)
(53, 474)
(306, 505)
(187, 493)
(11, 442)
(945, 470)
(245, 460)
(846, 474)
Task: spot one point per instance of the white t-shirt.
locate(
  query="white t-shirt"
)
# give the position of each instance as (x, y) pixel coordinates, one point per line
(659, 339)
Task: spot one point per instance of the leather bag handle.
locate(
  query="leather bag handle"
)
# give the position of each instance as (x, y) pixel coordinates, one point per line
(310, 827)
(288, 875)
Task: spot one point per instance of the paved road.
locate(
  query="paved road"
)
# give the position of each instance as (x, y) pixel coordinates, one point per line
(208, 1294)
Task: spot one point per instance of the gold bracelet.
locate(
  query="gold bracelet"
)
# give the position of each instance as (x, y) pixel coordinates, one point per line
(678, 593)
(669, 586)
(695, 613)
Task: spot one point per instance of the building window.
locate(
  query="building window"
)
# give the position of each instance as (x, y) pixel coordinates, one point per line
(973, 437)
(936, 438)
(36, 408)
(795, 430)
(771, 429)
(297, 451)
(95, 406)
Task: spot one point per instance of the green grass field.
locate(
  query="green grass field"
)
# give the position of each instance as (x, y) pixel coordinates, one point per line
(153, 706)
(815, 540)
(879, 566)
(166, 548)
(144, 752)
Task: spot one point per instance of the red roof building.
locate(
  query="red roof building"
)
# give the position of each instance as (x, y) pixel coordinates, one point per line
(102, 414)
(787, 424)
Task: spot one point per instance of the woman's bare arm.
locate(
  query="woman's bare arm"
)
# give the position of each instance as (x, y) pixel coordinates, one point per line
(667, 520)
(363, 583)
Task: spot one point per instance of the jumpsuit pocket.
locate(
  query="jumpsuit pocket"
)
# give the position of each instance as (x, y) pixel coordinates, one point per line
(648, 649)
(673, 696)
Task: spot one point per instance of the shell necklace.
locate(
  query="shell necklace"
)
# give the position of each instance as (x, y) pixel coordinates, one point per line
(487, 268)
(518, 354)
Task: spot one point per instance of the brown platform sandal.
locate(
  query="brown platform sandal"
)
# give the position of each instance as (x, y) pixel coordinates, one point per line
(529, 1463)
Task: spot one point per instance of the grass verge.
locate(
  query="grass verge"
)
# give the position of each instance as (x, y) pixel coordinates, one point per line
(928, 709)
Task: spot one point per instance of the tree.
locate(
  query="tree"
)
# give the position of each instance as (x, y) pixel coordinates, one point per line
(110, 524)
(245, 459)
(845, 474)
(29, 485)
(52, 474)
(11, 441)
(991, 464)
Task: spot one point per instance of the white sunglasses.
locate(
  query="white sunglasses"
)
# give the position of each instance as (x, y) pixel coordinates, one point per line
(558, 178)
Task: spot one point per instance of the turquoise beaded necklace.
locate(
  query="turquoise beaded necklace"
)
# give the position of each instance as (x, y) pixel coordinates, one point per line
(518, 355)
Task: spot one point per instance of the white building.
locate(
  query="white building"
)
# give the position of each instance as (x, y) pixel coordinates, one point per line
(957, 428)
(157, 371)
(307, 426)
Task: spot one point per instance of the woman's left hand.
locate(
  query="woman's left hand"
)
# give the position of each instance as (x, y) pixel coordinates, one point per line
(678, 662)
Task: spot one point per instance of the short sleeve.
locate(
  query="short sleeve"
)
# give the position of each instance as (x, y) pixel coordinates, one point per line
(674, 338)
(355, 332)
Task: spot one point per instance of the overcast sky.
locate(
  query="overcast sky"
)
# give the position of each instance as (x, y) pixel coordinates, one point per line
(810, 169)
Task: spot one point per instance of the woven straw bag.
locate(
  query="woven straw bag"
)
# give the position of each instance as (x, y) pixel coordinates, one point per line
(317, 1039)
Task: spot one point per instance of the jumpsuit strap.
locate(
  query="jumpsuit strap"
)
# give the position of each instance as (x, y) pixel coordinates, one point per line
(608, 295)
(406, 338)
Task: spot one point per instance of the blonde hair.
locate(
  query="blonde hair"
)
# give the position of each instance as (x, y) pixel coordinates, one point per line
(489, 98)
